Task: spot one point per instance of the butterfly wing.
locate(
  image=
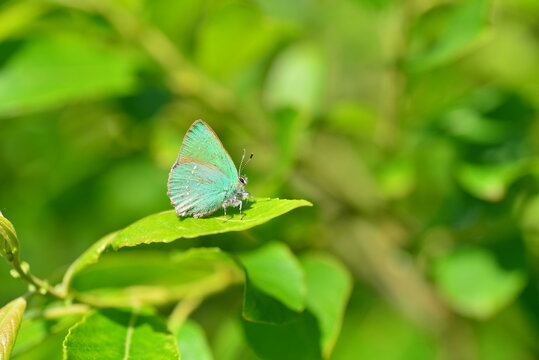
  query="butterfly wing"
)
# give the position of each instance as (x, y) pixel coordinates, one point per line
(196, 189)
(201, 145)
(203, 176)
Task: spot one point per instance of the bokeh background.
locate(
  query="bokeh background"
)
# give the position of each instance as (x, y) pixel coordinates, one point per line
(411, 125)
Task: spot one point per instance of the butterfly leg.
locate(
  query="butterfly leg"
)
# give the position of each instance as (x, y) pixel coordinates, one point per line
(224, 210)
(241, 214)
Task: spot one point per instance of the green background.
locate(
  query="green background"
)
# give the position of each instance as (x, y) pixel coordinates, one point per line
(411, 125)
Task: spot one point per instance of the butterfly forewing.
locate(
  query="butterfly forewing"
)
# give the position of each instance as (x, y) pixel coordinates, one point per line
(201, 145)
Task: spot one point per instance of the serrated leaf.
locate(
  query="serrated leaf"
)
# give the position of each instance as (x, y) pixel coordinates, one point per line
(37, 335)
(166, 227)
(192, 342)
(474, 285)
(274, 288)
(329, 285)
(10, 321)
(154, 278)
(55, 70)
(115, 334)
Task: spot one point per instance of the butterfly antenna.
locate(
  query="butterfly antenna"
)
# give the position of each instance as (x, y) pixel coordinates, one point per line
(242, 163)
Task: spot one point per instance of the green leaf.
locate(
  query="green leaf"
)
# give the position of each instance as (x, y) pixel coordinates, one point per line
(154, 278)
(9, 243)
(296, 79)
(16, 16)
(228, 342)
(44, 335)
(474, 285)
(463, 27)
(489, 182)
(192, 342)
(297, 339)
(166, 227)
(470, 125)
(90, 256)
(397, 178)
(55, 70)
(10, 321)
(529, 223)
(115, 334)
(329, 285)
(274, 289)
(370, 324)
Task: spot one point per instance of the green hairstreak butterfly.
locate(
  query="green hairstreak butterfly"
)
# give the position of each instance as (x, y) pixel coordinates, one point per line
(204, 178)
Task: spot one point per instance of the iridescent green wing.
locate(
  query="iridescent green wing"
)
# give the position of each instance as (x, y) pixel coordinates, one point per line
(202, 146)
(203, 176)
(197, 190)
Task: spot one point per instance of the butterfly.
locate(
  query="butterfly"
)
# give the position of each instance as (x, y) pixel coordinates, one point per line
(204, 178)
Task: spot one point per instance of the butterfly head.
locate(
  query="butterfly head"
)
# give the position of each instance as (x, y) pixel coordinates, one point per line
(241, 194)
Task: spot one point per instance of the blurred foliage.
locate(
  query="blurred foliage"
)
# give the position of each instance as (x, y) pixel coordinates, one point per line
(412, 126)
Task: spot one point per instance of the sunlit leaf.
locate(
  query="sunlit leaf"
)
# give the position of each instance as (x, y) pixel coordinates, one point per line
(18, 15)
(166, 227)
(89, 257)
(328, 287)
(474, 285)
(52, 71)
(275, 288)
(10, 321)
(116, 334)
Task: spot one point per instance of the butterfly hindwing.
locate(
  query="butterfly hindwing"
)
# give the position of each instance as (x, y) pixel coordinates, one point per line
(197, 189)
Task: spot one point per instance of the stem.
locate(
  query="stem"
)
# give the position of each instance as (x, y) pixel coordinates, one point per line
(41, 286)
(182, 311)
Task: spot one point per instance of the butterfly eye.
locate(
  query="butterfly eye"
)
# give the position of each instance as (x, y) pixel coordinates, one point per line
(243, 180)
